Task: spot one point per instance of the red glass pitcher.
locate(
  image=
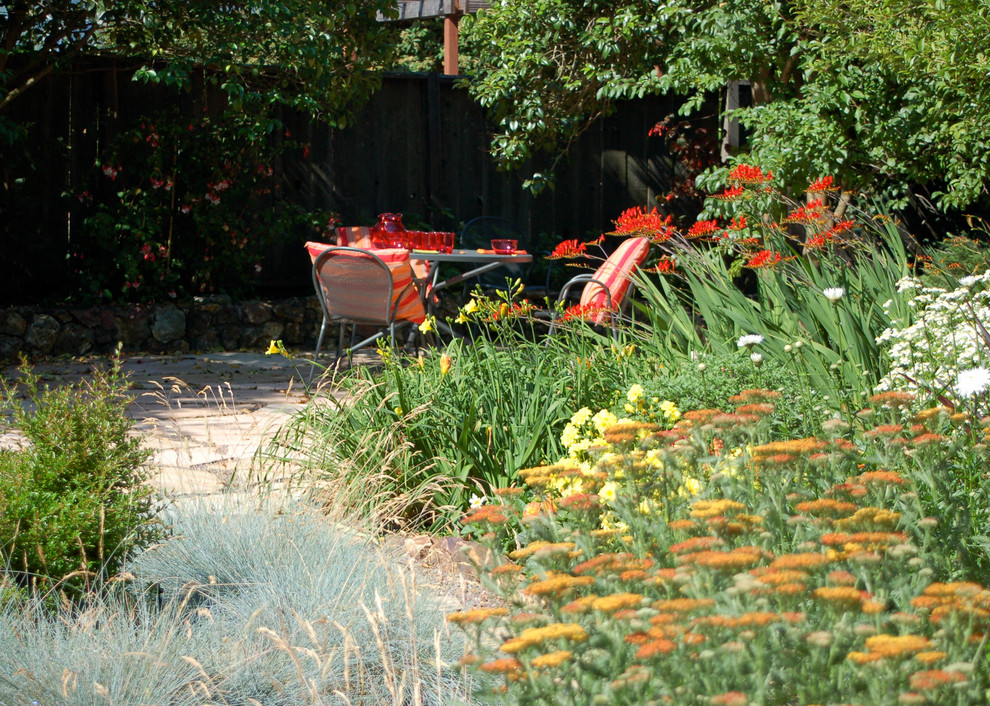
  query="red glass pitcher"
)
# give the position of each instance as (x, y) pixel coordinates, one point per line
(389, 231)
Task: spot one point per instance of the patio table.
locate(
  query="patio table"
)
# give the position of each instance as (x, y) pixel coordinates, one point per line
(485, 261)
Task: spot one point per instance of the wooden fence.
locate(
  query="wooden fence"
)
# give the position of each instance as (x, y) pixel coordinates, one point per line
(420, 147)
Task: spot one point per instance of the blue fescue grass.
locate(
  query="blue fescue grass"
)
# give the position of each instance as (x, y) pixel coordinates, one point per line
(249, 603)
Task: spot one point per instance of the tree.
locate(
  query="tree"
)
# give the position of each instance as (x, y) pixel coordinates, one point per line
(887, 96)
(316, 55)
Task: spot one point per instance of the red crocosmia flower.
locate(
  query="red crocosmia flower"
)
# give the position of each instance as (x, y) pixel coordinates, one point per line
(764, 259)
(820, 185)
(582, 311)
(733, 192)
(636, 220)
(738, 223)
(749, 242)
(597, 241)
(813, 212)
(665, 266)
(746, 174)
(568, 249)
(817, 242)
(702, 228)
(841, 227)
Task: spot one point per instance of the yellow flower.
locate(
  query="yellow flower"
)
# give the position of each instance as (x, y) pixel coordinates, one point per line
(608, 491)
(428, 325)
(691, 485)
(604, 420)
(461, 318)
(445, 363)
(471, 307)
(670, 411)
(276, 347)
(635, 393)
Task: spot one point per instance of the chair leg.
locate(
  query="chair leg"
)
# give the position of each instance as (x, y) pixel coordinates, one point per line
(316, 355)
(340, 343)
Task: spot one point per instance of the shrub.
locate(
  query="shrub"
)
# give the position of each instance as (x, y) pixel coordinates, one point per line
(73, 501)
(792, 570)
(763, 264)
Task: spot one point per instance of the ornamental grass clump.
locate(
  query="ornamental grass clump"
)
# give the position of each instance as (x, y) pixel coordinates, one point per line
(251, 601)
(809, 570)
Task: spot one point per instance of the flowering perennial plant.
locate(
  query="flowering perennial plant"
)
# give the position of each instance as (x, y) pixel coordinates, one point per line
(940, 340)
(637, 221)
(820, 569)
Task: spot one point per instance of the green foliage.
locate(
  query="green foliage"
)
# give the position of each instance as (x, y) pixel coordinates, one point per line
(418, 47)
(178, 207)
(470, 414)
(73, 502)
(709, 380)
(767, 275)
(880, 89)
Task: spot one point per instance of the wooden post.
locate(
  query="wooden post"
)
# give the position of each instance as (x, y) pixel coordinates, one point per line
(450, 32)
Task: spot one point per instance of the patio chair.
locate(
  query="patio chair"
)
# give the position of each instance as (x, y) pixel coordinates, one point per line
(356, 286)
(607, 290)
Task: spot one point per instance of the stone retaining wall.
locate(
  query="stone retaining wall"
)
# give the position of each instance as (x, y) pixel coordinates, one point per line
(208, 323)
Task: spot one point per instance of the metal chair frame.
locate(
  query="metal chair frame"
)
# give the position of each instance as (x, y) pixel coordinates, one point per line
(387, 321)
(466, 242)
(587, 279)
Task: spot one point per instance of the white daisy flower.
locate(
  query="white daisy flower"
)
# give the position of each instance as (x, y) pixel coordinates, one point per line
(749, 340)
(972, 382)
(834, 294)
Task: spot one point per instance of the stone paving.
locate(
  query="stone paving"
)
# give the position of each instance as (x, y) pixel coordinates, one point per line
(203, 416)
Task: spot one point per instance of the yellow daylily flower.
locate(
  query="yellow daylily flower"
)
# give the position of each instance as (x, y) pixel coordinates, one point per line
(428, 325)
(276, 347)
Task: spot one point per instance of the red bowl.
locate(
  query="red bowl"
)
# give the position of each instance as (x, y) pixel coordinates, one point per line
(504, 246)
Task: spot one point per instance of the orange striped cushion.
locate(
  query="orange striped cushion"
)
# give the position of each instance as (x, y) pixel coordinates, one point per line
(355, 237)
(615, 273)
(411, 306)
